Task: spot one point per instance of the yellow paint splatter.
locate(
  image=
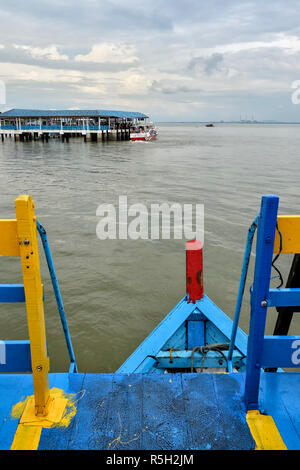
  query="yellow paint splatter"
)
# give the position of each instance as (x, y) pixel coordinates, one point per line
(71, 409)
(118, 440)
(61, 411)
(55, 393)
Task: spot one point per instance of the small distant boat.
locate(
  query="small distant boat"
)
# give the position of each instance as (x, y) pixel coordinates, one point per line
(144, 132)
(209, 125)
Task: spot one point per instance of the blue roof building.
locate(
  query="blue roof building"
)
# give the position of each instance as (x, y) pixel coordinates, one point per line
(92, 124)
(69, 113)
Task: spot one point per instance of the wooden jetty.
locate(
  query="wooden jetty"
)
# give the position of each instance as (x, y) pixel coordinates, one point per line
(91, 125)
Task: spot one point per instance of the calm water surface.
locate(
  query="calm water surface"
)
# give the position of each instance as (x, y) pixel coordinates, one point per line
(115, 292)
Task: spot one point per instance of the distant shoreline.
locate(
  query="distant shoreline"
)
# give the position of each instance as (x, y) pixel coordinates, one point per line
(226, 122)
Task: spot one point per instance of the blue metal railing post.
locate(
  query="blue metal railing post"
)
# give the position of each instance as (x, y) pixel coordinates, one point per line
(239, 299)
(259, 295)
(60, 305)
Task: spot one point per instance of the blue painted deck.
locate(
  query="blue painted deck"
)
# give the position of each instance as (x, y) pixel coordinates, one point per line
(279, 397)
(157, 411)
(146, 411)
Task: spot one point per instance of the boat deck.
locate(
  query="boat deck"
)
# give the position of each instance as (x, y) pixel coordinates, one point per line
(156, 411)
(139, 411)
(279, 398)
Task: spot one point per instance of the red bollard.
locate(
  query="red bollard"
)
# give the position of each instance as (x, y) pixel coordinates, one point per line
(194, 270)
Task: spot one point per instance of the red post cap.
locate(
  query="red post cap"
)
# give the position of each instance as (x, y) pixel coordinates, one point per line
(194, 270)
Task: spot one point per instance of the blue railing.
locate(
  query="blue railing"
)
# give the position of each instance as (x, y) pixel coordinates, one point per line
(8, 127)
(27, 127)
(238, 306)
(267, 351)
(54, 127)
(59, 301)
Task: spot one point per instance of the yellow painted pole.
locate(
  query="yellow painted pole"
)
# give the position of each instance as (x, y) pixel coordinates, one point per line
(27, 237)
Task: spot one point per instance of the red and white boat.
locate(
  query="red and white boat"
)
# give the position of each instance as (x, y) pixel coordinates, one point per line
(144, 132)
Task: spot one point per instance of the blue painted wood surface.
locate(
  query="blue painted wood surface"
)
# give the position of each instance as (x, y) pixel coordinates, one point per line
(195, 331)
(177, 340)
(12, 293)
(139, 411)
(284, 297)
(149, 411)
(13, 389)
(153, 411)
(183, 359)
(15, 356)
(279, 397)
(281, 351)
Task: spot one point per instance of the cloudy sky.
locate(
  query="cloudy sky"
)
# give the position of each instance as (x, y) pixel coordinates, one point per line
(179, 60)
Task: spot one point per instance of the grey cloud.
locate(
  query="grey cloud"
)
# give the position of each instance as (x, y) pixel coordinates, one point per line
(162, 87)
(209, 64)
(79, 21)
(168, 38)
(18, 56)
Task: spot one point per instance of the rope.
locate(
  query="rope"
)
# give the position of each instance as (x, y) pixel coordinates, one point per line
(219, 347)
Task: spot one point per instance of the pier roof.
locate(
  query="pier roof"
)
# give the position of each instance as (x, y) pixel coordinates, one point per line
(28, 113)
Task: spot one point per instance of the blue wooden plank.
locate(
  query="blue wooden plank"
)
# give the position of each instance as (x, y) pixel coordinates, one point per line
(177, 340)
(284, 297)
(15, 356)
(12, 293)
(13, 389)
(125, 425)
(281, 351)
(146, 366)
(213, 334)
(195, 332)
(200, 405)
(182, 359)
(291, 402)
(164, 413)
(202, 400)
(279, 398)
(230, 390)
(159, 336)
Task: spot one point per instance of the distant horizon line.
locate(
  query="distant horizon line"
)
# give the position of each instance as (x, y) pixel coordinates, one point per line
(217, 121)
(265, 121)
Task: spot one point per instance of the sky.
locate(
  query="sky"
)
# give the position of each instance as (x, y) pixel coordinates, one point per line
(189, 60)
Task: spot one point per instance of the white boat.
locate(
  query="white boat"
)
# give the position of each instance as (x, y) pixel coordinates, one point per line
(144, 132)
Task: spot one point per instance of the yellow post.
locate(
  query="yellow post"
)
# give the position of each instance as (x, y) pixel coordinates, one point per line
(289, 227)
(27, 238)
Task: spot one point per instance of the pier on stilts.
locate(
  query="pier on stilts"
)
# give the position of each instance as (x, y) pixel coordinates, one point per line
(91, 125)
